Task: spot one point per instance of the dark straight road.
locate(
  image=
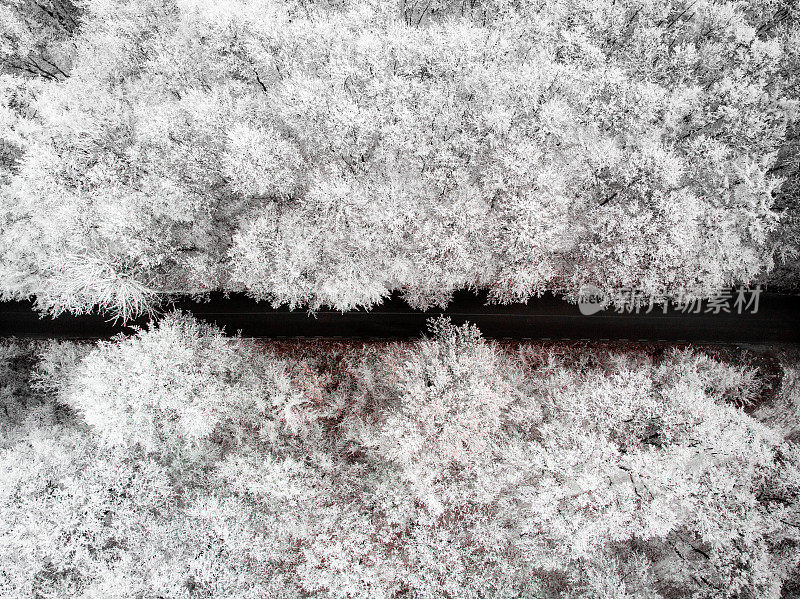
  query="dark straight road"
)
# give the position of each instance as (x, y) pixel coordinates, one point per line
(777, 320)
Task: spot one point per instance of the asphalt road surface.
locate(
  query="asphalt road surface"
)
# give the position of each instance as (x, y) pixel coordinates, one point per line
(776, 320)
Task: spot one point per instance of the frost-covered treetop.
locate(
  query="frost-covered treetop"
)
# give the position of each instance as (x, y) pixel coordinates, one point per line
(329, 153)
(181, 463)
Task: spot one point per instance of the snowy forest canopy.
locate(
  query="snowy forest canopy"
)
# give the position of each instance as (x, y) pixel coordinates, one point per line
(180, 463)
(331, 152)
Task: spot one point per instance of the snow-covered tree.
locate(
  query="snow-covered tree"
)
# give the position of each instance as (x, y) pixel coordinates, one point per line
(329, 154)
(36, 37)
